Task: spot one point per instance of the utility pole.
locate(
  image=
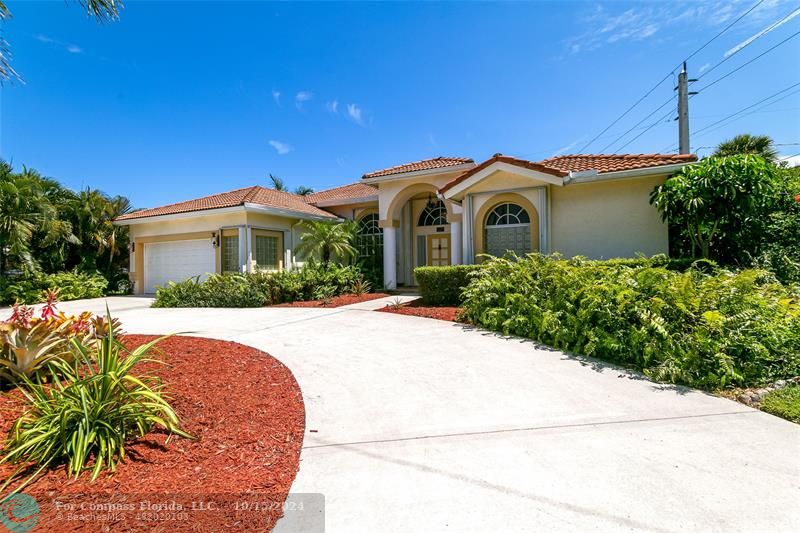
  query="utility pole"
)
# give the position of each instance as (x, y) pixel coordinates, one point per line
(683, 111)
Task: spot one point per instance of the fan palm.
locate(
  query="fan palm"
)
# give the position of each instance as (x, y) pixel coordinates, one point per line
(748, 144)
(302, 190)
(327, 240)
(278, 183)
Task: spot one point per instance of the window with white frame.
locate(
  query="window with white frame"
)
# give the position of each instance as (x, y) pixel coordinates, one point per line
(229, 251)
(369, 239)
(434, 214)
(267, 250)
(508, 229)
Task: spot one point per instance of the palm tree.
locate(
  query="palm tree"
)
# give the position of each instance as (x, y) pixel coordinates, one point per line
(100, 9)
(278, 183)
(302, 190)
(327, 239)
(748, 144)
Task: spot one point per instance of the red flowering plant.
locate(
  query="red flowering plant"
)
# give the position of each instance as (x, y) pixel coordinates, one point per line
(28, 343)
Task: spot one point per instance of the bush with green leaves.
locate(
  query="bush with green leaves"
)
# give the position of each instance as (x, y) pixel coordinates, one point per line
(706, 330)
(315, 281)
(442, 285)
(90, 409)
(70, 285)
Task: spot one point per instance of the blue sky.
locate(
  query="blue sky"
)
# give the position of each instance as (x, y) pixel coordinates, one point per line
(177, 100)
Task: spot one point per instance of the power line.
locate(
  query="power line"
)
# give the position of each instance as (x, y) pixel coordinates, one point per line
(651, 126)
(662, 80)
(740, 67)
(746, 108)
(656, 110)
(757, 37)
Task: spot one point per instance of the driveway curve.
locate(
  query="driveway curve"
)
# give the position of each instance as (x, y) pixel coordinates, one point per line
(415, 424)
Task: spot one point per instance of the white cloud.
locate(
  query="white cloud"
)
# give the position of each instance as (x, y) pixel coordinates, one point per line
(281, 147)
(301, 97)
(777, 24)
(332, 106)
(355, 113)
(69, 47)
(609, 24)
(432, 141)
(276, 95)
(704, 68)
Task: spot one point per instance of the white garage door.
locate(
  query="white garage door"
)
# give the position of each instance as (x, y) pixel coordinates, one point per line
(176, 261)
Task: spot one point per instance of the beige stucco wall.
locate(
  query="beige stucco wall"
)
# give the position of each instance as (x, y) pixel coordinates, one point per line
(394, 194)
(607, 219)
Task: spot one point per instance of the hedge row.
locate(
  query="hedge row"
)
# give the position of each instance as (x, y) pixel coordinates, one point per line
(707, 330)
(443, 285)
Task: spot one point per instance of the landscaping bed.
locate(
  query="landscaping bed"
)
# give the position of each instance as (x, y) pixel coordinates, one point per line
(336, 301)
(419, 308)
(246, 411)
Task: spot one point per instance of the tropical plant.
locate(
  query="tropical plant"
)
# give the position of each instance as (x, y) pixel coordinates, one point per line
(33, 289)
(302, 190)
(278, 184)
(760, 145)
(361, 286)
(706, 330)
(720, 204)
(99, 9)
(90, 410)
(28, 343)
(326, 240)
(315, 281)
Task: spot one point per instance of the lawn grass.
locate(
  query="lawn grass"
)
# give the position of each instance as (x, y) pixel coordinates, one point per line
(784, 403)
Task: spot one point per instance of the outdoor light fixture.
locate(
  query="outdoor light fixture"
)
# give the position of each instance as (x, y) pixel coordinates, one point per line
(430, 204)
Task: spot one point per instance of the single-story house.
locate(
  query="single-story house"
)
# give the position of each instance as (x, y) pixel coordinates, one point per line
(440, 211)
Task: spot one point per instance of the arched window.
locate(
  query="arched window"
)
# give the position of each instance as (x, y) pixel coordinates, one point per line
(369, 239)
(434, 214)
(508, 229)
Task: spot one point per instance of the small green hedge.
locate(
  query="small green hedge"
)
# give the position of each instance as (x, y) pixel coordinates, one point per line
(443, 285)
(71, 286)
(707, 330)
(313, 282)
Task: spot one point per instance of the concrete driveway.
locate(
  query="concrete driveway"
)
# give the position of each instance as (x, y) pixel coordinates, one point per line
(421, 425)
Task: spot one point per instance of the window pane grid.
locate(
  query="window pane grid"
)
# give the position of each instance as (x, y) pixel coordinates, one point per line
(266, 252)
(433, 215)
(230, 253)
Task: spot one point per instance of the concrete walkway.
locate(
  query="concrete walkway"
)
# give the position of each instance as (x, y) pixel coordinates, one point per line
(422, 425)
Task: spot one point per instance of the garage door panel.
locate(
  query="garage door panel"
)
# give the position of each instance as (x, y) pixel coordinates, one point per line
(177, 261)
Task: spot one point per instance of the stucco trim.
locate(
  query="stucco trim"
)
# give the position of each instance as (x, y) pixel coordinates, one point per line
(499, 166)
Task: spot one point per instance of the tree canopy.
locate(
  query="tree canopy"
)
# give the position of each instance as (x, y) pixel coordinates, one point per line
(745, 143)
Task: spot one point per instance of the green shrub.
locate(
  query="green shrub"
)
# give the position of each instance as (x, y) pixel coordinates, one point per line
(784, 403)
(71, 286)
(91, 409)
(693, 328)
(315, 281)
(443, 285)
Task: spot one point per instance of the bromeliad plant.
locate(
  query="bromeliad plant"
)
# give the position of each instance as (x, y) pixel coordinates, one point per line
(91, 409)
(29, 343)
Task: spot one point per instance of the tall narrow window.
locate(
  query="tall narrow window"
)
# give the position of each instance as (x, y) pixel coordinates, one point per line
(266, 252)
(369, 240)
(230, 253)
(508, 229)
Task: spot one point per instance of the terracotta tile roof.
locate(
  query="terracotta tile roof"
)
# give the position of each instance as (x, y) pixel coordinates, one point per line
(425, 164)
(614, 163)
(561, 166)
(503, 159)
(254, 195)
(354, 191)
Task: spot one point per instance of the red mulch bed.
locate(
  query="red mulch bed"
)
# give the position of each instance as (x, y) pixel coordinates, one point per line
(337, 301)
(417, 308)
(246, 410)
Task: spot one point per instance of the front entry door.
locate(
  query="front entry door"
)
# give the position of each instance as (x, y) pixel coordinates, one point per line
(439, 250)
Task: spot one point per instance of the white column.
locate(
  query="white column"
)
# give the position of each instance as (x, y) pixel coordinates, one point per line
(244, 255)
(390, 258)
(455, 243)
